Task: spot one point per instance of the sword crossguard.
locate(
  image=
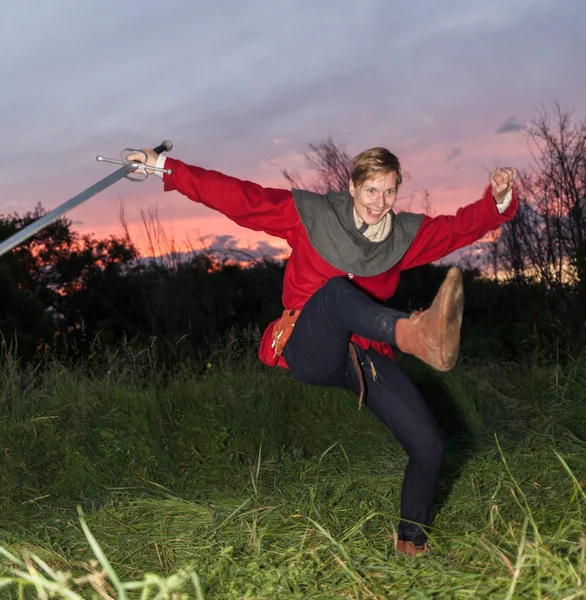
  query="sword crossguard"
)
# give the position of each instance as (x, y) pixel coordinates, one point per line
(139, 167)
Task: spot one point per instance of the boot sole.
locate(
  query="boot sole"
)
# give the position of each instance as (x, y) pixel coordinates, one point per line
(451, 310)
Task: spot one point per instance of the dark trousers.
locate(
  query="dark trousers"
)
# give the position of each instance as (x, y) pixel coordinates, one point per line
(318, 353)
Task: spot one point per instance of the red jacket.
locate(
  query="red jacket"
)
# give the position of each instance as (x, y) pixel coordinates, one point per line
(273, 211)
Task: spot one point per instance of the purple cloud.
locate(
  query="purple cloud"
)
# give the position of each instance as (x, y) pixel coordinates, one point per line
(230, 247)
(511, 124)
(453, 154)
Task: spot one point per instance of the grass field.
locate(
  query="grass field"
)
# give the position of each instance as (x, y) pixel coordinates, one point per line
(121, 478)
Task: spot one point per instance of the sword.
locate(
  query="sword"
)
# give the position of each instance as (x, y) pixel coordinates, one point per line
(124, 172)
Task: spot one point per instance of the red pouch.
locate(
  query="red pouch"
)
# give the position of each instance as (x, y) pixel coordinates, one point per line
(282, 330)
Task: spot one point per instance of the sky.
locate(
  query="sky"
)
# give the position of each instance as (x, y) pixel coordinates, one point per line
(244, 87)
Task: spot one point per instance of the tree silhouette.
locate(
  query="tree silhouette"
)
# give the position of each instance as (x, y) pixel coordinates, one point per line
(332, 164)
(546, 241)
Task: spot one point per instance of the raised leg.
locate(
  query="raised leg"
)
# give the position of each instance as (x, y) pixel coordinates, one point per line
(318, 347)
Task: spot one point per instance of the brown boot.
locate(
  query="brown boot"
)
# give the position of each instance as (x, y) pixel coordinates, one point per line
(433, 335)
(410, 549)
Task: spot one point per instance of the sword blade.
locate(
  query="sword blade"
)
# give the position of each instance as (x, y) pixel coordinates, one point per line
(56, 213)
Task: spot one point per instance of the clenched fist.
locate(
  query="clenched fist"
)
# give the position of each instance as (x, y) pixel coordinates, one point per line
(502, 181)
(151, 160)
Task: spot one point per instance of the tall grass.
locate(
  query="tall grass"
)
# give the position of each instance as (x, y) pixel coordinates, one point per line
(122, 478)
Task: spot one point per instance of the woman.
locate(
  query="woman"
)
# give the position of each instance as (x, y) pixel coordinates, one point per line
(347, 252)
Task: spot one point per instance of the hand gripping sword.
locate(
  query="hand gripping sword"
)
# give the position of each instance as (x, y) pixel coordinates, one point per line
(125, 171)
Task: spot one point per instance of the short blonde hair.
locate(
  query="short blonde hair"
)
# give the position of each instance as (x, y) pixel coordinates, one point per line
(375, 162)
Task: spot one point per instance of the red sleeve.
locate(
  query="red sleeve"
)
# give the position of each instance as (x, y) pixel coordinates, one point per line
(439, 236)
(246, 203)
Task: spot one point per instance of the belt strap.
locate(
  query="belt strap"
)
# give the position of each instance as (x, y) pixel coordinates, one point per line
(356, 364)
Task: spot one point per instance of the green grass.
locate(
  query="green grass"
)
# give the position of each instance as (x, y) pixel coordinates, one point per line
(121, 478)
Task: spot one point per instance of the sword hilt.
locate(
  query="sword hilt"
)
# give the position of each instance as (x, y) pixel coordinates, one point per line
(164, 146)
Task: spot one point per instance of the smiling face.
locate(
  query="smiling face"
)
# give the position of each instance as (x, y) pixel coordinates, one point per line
(374, 198)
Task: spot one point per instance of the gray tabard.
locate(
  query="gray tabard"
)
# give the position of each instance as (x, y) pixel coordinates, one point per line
(329, 222)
